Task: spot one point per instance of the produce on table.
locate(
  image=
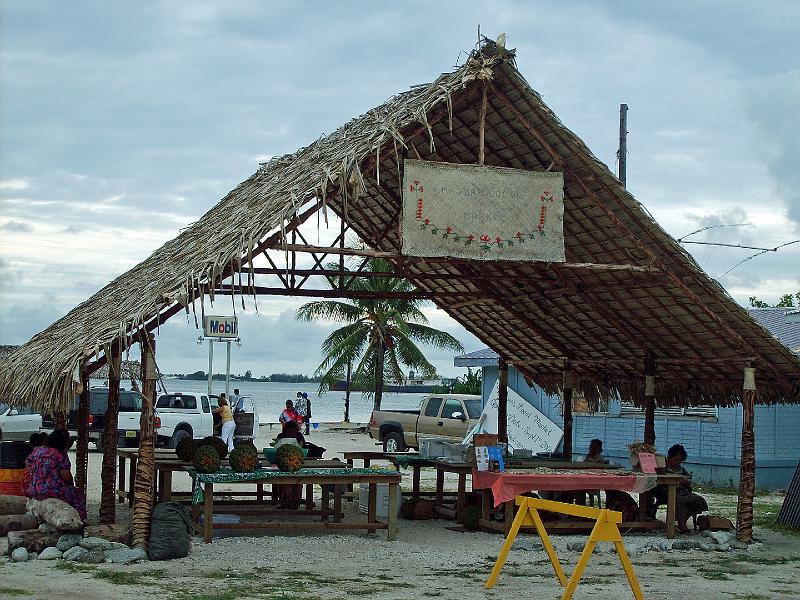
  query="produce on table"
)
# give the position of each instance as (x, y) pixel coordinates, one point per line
(217, 443)
(206, 459)
(185, 449)
(289, 458)
(242, 460)
(247, 446)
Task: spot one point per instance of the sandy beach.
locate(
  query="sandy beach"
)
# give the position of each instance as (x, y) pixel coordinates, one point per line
(428, 560)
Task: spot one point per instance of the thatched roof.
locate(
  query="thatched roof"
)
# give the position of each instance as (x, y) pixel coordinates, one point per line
(535, 314)
(774, 320)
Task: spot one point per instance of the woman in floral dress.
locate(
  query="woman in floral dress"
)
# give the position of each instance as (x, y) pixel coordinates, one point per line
(50, 475)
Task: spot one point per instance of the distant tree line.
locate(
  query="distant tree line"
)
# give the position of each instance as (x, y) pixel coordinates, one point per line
(466, 384)
(248, 376)
(786, 301)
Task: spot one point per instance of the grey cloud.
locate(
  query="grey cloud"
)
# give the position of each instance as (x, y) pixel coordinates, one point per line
(774, 106)
(17, 227)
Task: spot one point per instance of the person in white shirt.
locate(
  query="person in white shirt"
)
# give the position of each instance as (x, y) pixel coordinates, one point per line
(237, 402)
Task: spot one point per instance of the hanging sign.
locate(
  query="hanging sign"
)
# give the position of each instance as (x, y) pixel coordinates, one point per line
(221, 327)
(528, 428)
(482, 213)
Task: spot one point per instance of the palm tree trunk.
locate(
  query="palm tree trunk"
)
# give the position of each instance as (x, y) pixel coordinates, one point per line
(145, 471)
(380, 357)
(747, 472)
(347, 393)
(82, 446)
(108, 495)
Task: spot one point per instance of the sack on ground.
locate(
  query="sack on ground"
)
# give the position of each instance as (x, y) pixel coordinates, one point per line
(56, 512)
(170, 532)
(712, 523)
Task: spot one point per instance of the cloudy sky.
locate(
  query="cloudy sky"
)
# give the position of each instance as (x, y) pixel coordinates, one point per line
(123, 122)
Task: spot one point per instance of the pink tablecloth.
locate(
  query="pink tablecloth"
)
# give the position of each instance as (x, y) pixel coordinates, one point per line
(507, 486)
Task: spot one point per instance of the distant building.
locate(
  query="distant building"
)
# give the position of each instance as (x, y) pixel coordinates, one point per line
(711, 435)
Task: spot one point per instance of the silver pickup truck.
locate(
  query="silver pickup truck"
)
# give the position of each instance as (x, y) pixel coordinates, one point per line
(441, 416)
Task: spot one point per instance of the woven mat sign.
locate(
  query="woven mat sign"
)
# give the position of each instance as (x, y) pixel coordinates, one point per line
(482, 213)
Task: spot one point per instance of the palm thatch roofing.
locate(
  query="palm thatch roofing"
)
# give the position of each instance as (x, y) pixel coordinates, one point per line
(538, 315)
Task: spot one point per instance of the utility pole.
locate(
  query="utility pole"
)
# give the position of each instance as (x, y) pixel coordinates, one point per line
(623, 141)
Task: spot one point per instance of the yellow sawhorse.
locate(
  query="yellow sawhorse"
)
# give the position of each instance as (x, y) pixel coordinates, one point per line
(605, 530)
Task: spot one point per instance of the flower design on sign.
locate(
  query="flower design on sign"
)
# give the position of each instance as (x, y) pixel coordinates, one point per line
(488, 241)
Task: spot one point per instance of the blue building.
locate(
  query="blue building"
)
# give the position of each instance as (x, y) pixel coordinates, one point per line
(711, 435)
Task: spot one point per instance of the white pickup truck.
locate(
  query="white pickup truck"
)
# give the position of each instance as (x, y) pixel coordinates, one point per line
(189, 416)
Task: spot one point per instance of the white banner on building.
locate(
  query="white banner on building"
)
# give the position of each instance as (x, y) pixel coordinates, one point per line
(481, 212)
(528, 428)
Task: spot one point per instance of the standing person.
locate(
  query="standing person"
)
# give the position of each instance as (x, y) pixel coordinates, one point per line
(228, 424)
(307, 416)
(237, 402)
(289, 413)
(50, 475)
(300, 407)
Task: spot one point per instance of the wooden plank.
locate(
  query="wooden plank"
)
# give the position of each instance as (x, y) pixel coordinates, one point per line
(392, 531)
(208, 512)
(373, 525)
(372, 507)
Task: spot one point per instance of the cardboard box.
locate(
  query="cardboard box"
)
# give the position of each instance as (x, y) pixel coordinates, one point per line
(484, 439)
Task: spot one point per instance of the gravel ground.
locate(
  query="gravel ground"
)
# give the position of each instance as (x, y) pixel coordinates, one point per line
(428, 560)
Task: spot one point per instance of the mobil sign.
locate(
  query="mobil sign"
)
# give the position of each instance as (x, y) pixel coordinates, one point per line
(220, 327)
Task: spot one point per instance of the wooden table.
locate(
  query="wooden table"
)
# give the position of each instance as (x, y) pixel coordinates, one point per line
(463, 469)
(670, 481)
(167, 463)
(338, 479)
(396, 458)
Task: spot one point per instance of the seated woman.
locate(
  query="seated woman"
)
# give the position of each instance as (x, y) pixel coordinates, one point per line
(290, 494)
(595, 454)
(687, 502)
(50, 475)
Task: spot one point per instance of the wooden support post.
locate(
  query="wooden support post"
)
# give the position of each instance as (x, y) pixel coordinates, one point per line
(650, 399)
(747, 471)
(108, 500)
(568, 383)
(82, 445)
(482, 126)
(502, 407)
(145, 468)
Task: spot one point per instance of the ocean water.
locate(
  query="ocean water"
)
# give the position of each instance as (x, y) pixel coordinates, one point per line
(270, 398)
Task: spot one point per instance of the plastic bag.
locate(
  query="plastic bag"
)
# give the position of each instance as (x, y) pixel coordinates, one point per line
(170, 532)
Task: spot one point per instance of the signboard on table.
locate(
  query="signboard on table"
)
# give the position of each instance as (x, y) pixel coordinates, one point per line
(221, 327)
(482, 213)
(528, 428)
(647, 461)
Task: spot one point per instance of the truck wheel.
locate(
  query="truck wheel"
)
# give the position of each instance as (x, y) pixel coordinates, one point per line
(393, 442)
(177, 437)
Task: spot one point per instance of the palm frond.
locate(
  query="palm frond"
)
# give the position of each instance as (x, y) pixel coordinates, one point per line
(412, 356)
(440, 340)
(329, 310)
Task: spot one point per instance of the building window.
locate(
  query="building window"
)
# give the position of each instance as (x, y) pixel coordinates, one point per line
(628, 408)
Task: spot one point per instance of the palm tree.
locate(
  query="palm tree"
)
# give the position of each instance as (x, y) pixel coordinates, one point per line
(379, 335)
